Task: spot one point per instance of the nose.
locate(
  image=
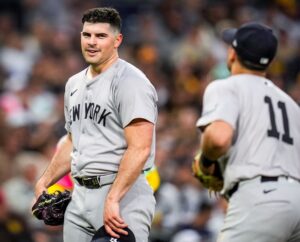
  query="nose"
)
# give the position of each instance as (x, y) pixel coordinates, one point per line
(92, 41)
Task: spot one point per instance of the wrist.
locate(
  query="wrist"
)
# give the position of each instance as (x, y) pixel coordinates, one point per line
(205, 164)
(113, 197)
(41, 184)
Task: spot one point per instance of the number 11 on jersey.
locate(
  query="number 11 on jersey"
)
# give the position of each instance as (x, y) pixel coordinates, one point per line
(273, 132)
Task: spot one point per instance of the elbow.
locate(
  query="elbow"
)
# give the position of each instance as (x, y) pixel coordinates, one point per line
(220, 144)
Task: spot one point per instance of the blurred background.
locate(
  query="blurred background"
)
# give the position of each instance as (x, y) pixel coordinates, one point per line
(176, 43)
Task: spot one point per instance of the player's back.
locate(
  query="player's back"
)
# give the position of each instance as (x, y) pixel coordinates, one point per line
(267, 137)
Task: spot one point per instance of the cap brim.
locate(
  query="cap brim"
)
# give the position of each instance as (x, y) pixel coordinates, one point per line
(228, 35)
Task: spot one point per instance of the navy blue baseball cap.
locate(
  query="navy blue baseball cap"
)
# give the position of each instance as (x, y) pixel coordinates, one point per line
(254, 43)
(102, 236)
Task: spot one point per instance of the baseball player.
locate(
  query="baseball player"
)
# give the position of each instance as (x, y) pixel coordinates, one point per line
(110, 112)
(253, 129)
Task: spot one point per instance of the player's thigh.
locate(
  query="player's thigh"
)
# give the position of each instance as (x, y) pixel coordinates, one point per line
(137, 209)
(295, 234)
(264, 223)
(76, 233)
(76, 229)
(253, 215)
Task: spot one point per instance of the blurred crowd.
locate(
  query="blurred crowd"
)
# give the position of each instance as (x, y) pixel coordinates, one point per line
(177, 44)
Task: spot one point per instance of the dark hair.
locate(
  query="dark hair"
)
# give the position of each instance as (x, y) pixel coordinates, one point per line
(251, 66)
(103, 15)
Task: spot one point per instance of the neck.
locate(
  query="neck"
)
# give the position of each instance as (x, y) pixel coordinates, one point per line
(237, 69)
(95, 70)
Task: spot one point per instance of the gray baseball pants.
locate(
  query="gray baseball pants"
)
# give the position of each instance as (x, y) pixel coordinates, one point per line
(263, 212)
(84, 214)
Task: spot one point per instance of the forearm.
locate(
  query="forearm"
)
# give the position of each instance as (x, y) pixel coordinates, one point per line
(130, 168)
(60, 164)
(216, 140)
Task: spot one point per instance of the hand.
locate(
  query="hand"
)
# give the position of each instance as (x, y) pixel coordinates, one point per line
(39, 189)
(198, 168)
(113, 222)
(210, 177)
(210, 170)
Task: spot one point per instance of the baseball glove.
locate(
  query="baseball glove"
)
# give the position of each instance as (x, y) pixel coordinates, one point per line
(213, 182)
(51, 207)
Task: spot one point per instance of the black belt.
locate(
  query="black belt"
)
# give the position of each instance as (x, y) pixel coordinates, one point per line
(262, 179)
(94, 182)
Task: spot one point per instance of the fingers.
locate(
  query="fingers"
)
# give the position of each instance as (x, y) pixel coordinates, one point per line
(111, 232)
(113, 223)
(116, 222)
(117, 227)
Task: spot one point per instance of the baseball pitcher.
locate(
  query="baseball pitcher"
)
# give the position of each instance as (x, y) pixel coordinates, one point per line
(110, 112)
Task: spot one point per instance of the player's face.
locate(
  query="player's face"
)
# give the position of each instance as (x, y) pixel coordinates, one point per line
(99, 42)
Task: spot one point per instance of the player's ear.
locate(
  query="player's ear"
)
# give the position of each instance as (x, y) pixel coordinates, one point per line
(118, 40)
(231, 56)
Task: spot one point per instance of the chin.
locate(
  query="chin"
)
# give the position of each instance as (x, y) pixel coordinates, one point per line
(91, 61)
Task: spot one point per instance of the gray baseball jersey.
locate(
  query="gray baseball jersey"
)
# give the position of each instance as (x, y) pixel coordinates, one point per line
(266, 122)
(97, 110)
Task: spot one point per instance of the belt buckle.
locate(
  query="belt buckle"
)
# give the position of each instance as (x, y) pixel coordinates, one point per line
(79, 181)
(85, 181)
(90, 182)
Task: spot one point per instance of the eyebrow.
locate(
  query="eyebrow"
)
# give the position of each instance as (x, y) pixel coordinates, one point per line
(97, 34)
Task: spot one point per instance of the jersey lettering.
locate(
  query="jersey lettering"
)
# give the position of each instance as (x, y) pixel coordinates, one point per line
(273, 132)
(92, 111)
(88, 109)
(96, 111)
(103, 117)
(75, 112)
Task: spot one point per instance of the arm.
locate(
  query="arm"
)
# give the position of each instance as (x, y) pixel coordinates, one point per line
(215, 141)
(138, 135)
(59, 166)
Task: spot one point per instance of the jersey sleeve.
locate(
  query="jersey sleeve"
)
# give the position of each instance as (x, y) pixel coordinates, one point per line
(136, 98)
(66, 108)
(220, 102)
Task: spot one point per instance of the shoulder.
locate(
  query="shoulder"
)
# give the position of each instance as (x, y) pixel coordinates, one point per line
(129, 70)
(285, 97)
(76, 78)
(130, 75)
(221, 85)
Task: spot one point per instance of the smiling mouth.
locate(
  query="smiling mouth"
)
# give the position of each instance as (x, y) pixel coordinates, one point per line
(92, 51)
